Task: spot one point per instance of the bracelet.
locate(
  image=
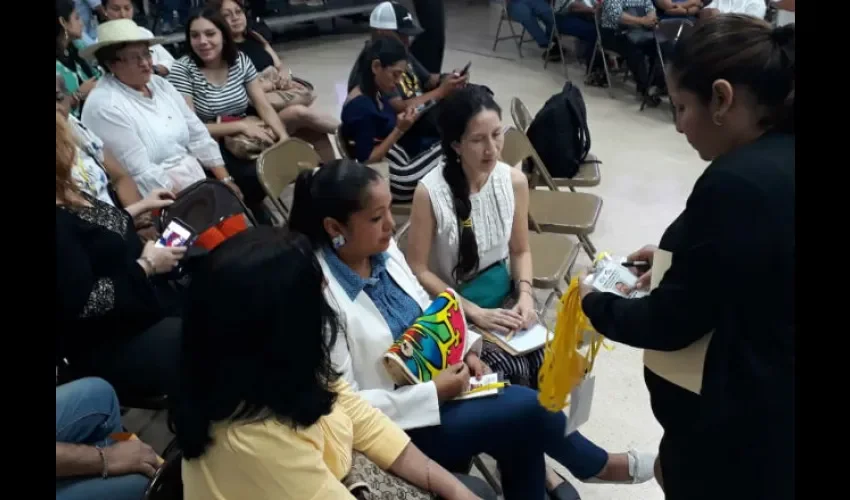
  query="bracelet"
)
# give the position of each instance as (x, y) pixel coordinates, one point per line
(147, 260)
(105, 472)
(528, 292)
(228, 179)
(526, 282)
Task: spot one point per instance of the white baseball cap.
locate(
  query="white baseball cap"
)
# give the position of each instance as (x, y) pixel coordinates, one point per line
(394, 17)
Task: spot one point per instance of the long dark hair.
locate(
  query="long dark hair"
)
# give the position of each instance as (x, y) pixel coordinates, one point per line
(257, 332)
(744, 51)
(455, 114)
(387, 50)
(229, 50)
(64, 9)
(337, 190)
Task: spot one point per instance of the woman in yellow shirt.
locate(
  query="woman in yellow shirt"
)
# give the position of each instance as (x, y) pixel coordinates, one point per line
(261, 414)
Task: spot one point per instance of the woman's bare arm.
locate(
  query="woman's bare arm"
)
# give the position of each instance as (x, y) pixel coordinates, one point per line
(265, 110)
(414, 467)
(77, 460)
(521, 269)
(125, 187)
(420, 237)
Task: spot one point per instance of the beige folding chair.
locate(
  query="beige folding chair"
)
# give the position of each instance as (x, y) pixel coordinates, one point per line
(400, 210)
(600, 49)
(588, 174)
(553, 211)
(552, 259)
(505, 17)
(278, 166)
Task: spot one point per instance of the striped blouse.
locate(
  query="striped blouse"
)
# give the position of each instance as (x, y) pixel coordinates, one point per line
(210, 100)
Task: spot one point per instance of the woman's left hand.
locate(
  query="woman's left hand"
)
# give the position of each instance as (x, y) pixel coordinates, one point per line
(525, 307)
(477, 368)
(158, 198)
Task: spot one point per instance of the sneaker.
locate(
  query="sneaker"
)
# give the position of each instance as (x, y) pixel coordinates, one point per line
(641, 469)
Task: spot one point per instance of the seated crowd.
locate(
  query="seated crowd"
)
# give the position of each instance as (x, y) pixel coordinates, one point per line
(271, 356)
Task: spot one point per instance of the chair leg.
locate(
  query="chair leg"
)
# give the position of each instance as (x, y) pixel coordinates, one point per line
(488, 476)
(588, 246)
(607, 73)
(519, 40)
(596, 49)
(498, 31)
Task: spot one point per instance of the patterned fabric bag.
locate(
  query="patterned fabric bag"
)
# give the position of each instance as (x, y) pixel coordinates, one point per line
(240, 145)
(287, 89)
(367, 481)
(432, 343)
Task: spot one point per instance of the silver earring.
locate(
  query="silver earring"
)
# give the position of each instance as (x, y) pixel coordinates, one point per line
(338, 241)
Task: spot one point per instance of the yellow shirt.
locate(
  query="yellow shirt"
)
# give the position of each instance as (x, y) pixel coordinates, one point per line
(272, 460)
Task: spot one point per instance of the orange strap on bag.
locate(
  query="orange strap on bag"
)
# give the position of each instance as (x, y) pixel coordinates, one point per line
(216, 235)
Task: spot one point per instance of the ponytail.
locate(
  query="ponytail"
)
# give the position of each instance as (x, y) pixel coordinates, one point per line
(337, 190)
(455, 113)
(746, 51)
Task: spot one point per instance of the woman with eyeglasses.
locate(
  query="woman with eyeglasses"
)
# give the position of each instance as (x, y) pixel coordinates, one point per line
(298, 113)
(142, 118)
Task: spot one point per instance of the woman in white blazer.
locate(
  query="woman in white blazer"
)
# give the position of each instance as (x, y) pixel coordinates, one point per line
(344, 209)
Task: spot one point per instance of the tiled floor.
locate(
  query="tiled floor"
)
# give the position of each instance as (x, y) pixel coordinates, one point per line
(647, 172)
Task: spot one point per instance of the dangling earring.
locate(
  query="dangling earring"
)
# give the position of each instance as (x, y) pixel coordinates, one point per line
(338, 241)
(717, 120)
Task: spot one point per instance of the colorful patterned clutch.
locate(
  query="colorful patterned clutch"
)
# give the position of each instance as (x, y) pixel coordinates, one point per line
(432, 343)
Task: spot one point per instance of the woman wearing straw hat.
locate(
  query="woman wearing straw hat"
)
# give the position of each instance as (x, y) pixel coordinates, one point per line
(142, 118)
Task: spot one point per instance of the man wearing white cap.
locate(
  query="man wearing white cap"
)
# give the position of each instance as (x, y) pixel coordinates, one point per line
(418, 86)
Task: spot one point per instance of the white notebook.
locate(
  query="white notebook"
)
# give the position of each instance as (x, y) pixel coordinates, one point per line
(523, 341)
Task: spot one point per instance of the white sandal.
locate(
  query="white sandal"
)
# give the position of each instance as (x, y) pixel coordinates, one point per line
(641, 469)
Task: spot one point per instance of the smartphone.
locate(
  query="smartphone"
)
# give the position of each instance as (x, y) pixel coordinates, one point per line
(176, 234)
(426, 107)
(465, 69)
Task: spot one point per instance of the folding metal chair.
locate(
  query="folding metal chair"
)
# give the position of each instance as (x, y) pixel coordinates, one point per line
(668, 30)
(603, 52)
(279, 166)
(504, 16)
(588, 174)
(554, 211)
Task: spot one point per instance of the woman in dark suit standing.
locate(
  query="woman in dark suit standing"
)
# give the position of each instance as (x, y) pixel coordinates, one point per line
(732, 272)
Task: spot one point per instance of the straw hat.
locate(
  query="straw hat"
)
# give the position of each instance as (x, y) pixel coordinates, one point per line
(118, 31)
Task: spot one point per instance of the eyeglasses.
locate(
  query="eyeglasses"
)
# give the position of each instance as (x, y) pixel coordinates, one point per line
(136, 57)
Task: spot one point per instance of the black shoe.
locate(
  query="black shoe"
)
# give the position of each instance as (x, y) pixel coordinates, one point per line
(553, 53)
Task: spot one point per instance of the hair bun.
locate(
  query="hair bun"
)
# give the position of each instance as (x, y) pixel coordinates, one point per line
(783, 35)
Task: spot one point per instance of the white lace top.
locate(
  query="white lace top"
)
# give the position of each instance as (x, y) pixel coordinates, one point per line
(492, 221)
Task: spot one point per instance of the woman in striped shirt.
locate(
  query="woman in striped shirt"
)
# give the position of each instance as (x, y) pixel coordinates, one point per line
(217, 80)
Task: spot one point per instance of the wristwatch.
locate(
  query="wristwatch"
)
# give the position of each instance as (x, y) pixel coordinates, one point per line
(228, 179)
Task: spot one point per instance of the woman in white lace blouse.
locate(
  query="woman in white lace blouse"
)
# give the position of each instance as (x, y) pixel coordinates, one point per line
(142, 118)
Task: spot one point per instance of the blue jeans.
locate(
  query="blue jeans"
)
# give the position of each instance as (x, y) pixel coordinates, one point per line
(516, 431)
(530, 13)
(582, 28)
(87, 412)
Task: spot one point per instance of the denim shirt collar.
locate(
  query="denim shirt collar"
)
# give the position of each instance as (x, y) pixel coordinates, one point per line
(351, 282)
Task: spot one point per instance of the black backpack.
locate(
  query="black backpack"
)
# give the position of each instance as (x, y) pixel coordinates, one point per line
(559, 132)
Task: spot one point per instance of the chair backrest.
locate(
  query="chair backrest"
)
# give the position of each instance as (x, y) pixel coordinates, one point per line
(521, 115)
(278, 166)
(167, 484)
(204, 204)
(517, 148)
(345, 147)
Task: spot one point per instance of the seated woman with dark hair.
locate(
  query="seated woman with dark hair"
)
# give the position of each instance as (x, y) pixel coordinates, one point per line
(369, 120)
(80, 76)
(262, 414)
(297, 113)
(344, 209)
(219, 83)
(117, 318)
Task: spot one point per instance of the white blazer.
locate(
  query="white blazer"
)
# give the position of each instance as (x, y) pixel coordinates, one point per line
(366, 336)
